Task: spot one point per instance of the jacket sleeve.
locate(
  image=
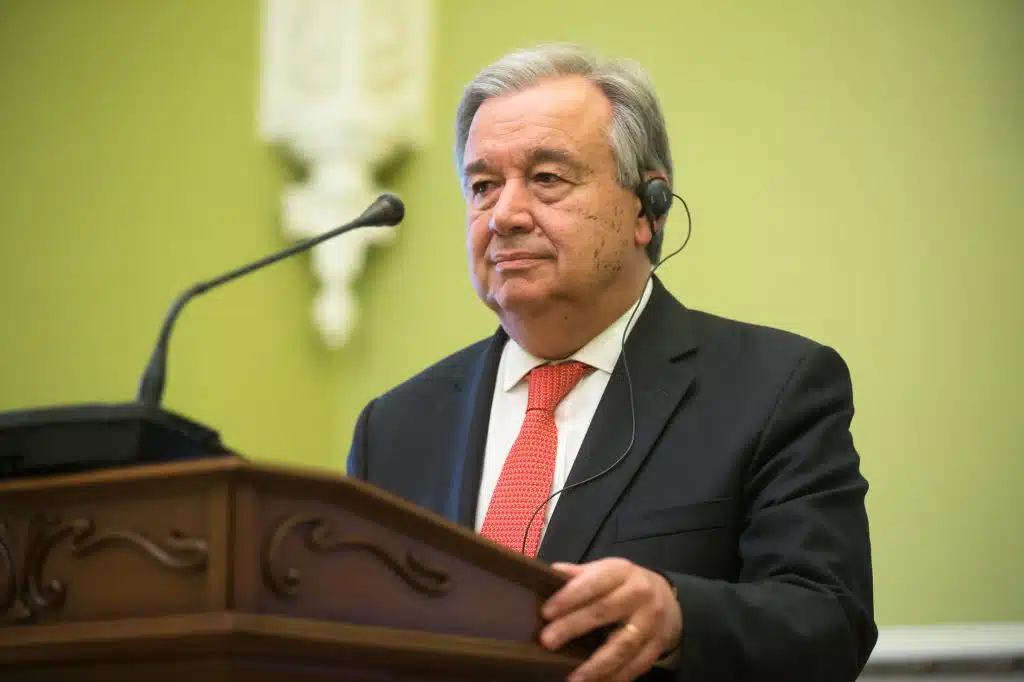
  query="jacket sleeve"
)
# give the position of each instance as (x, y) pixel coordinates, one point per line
(802, 608)
(358, 464)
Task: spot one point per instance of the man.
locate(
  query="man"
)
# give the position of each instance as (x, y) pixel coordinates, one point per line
(714, 515)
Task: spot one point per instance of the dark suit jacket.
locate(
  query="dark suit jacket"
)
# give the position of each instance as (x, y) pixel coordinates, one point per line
(743, 485)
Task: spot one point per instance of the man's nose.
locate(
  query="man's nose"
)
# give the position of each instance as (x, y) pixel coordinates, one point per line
(511, 213)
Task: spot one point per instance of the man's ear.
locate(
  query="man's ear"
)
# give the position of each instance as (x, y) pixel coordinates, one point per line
(642, 235)
(642, 232)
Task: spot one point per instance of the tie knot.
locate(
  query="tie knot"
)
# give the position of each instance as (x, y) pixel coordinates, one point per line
(549, 384)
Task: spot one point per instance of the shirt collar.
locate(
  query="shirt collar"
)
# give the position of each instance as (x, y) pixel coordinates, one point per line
(601, 353)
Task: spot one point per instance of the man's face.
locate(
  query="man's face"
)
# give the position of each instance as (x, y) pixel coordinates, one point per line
(547, 221)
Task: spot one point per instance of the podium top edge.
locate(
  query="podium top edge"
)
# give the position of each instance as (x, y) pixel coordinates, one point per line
(232, 467)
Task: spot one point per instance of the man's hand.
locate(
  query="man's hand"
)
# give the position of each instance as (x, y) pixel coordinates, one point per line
(614, 591)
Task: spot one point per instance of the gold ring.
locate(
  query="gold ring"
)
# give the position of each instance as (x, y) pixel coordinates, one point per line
(632, 629)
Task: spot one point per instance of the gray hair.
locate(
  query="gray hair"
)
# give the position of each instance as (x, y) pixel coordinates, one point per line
(638, 135)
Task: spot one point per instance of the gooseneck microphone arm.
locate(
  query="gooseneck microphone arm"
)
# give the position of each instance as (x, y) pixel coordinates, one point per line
(387, 210)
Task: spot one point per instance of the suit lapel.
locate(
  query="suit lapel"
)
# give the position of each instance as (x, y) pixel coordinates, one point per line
(661, 371)
(476, 389)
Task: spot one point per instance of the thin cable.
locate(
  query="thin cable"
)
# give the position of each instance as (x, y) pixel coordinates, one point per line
(629, 383)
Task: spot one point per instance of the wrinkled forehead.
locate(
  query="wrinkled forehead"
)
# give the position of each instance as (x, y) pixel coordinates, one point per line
(556, 120)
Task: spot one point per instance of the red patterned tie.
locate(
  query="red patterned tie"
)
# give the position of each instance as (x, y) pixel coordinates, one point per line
(525, 481)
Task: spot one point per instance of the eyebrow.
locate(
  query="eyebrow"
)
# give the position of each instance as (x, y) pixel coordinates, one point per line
(536, 155)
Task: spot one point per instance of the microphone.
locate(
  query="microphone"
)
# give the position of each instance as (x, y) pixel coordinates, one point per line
(64, 439)
(386, 210)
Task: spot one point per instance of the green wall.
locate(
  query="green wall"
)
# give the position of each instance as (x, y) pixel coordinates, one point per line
(130, 168)
(855, 174)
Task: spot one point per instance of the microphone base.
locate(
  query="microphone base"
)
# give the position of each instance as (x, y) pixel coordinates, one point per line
(80, 438)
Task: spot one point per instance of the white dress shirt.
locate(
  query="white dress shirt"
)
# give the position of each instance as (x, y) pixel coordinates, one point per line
(572, 416)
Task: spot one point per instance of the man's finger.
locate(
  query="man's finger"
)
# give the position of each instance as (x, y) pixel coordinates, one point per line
(614, 655)
(592, 583)
(611, 608)
(568, 569)
(640, 664)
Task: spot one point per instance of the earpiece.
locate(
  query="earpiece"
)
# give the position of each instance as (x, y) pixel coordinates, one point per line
(655, 200)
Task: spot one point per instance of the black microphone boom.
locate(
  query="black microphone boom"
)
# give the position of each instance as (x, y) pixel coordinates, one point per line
(64, 439)
(387, 210)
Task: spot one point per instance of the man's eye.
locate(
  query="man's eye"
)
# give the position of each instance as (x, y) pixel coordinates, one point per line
(480, 186)
(546, 178)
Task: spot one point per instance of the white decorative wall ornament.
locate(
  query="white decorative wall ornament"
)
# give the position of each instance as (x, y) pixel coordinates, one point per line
(344, 90)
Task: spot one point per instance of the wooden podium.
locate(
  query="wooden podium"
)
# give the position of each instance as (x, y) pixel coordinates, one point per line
(224, 569)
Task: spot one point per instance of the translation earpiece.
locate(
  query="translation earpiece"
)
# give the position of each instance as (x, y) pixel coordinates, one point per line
(656, 198)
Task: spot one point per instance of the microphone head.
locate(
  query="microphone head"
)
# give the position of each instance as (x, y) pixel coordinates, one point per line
(388, 209)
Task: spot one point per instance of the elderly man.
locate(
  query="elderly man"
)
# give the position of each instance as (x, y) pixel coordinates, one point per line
(693, 477)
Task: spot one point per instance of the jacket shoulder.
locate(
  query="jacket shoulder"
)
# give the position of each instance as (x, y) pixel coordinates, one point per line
(744, 343)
